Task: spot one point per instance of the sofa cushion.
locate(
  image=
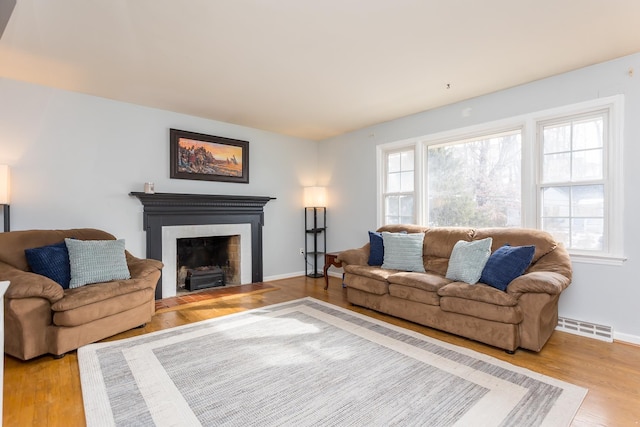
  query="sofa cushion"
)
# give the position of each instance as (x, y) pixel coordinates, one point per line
(505, 264)
(372, 272)
(96, 261)
(482, 310)
(425, 281)
(376, 248)
(477, 292)
(403, 251)
(51, 261)
(414, 294)
(89, 294)
(468, 260)
(84, 314)
(366, 284)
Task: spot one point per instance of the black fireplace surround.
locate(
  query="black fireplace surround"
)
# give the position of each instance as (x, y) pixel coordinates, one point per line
(167, 209)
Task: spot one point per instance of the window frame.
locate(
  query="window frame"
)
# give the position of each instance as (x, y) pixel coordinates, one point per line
(531, 169)
(383, 156)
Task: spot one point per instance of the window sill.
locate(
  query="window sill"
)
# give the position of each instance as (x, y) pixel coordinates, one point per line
(598, 259)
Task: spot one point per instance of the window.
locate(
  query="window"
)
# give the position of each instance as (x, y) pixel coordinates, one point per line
(399, 184)
(558, 170)
(475, 182)
(572, 180)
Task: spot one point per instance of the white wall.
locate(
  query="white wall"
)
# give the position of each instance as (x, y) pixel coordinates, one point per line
(74, 159)
(608, 295)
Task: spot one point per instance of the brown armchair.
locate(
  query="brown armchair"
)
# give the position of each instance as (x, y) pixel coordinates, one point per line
(41, 317)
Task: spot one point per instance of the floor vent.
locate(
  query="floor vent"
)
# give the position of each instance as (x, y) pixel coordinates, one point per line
(586, 329)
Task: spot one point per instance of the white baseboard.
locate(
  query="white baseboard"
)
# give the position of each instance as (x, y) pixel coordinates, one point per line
(626, 338)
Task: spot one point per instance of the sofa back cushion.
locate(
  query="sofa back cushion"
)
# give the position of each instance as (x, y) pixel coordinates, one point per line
(13, 244)
(542, 240)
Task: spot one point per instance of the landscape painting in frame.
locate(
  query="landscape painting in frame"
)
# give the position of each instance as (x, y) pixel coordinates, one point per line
(207, 157)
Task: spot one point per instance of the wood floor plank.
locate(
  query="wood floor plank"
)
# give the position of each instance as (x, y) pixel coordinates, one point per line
(47, 392)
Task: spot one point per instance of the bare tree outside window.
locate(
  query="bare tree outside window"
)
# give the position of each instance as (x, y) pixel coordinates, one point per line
(476, 183)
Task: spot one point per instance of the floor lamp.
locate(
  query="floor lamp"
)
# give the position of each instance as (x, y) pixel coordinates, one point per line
(4, 195)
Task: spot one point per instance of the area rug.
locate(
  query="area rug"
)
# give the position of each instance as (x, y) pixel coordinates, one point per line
(309, 363)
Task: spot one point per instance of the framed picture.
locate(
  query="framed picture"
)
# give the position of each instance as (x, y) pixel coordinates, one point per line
(207, 157)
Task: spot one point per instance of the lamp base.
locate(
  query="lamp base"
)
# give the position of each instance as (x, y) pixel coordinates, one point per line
(7, 220)
(315, 275)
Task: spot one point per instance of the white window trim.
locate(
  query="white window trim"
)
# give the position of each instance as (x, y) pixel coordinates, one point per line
(530, 170)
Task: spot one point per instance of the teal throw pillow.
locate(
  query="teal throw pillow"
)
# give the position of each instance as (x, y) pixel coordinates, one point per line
(468, 260)
(505, 264)
(403, 251)
(96, 261)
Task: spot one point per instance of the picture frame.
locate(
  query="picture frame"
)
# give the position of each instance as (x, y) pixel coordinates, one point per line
(198, 156)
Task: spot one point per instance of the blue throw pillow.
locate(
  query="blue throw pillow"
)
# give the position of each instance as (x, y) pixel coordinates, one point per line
(51, 261)
(505, 264)
(376, 248)
(96, 261)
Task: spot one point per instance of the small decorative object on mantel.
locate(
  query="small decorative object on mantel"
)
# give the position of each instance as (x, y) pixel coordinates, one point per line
(206, 157)
(149, 188)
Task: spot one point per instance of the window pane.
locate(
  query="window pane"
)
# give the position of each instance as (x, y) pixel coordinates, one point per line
(393, 183)
(556, 167)
(476, 182)
(406, 206)
(406, 181)
(393, 162)
(587, 201)
(588, 134)
(587, 233)
(556, 202)
(406, 160)
(559, 228)
(587, 165)
(392, 206)
(557, 138)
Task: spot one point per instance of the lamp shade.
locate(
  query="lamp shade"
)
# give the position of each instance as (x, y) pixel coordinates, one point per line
(4, 185)
(315, 197)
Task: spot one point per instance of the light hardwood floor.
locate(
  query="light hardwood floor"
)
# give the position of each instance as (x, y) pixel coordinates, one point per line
(46, 392)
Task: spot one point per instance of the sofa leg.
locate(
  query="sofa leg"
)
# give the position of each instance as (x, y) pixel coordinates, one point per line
(59, 356)
(141, 326)
(510, 351)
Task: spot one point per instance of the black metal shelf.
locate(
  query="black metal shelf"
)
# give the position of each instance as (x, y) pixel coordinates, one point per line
(315, 242)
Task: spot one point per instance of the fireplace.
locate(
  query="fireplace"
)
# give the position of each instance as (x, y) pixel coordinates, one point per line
(168, 217)
(205, 262)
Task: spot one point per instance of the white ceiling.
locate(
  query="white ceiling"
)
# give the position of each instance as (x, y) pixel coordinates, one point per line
(312, 69)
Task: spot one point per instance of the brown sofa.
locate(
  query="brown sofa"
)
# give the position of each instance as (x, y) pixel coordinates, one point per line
(524, 316)
(41, 317)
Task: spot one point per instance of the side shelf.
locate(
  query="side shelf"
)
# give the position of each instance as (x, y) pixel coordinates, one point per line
(315, 242)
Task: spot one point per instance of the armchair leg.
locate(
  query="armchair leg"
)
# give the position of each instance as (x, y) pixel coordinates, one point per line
(59, 356)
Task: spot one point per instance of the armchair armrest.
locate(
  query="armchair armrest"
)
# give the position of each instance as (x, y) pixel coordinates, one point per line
(139, 267)
(359, 256)
(25, 284)
(547, 282)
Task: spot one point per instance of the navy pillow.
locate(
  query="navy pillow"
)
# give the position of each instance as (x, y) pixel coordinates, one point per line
(51, 261)
(505, 264)
(376, 250)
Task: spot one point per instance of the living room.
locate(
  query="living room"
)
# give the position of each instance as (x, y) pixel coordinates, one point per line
(75, 157)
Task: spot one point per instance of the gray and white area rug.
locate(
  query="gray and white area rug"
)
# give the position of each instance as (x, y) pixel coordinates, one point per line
(309, 363)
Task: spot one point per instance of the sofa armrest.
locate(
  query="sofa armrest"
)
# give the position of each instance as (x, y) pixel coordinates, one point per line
(139, 267)
(359, 256)
(546, 282)
(25, 284)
